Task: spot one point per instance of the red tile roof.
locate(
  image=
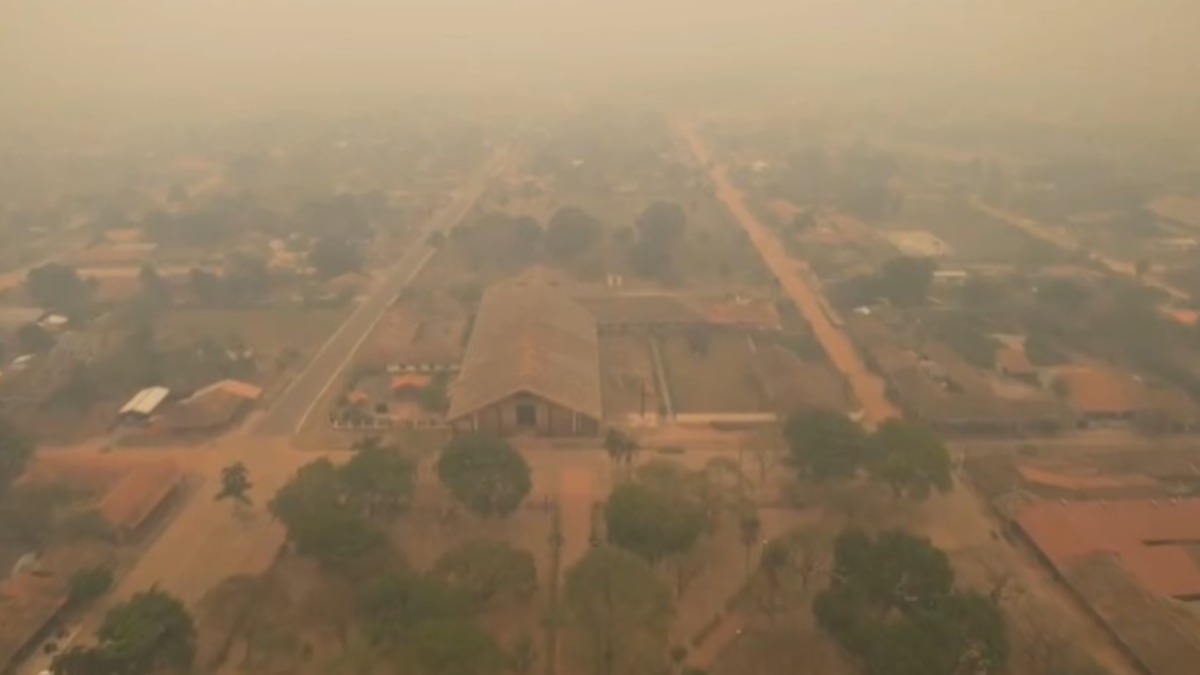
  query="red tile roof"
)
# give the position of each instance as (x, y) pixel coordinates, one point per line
(136, 496)
(410, 381)
(1149, 537)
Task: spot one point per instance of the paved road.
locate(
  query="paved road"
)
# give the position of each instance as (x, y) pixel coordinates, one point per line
(289, 412)
(795, 277)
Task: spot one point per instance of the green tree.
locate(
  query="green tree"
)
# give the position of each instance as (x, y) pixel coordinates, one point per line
(381, 478)
(911, 458)
(87, 585)
(892, 602)
(651, 521)
(571, 232)
(749, 531)
(621, 610)
(456, 647)
(235, 484)
(905, 280)
(620, 446)
(392, 606)
(484, 473)
(151, 633)
(659, 227)
(59, 287)
(483, 569)
(79, 660)
(663, 221)
(321, 520)
(824, 444)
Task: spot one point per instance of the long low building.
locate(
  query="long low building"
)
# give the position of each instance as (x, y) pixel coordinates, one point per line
(532, 365)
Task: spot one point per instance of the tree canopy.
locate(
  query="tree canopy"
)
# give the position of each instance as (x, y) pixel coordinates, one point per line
(621, 611)
(457, 647)
(570, 232)
(908, 456)
(321, 519)
(88, 584)
(652, 521)
(659, 226)
(483, 569)
(394, 605)
(235, 483)
(485, 473)
(59, 287)
(892, 602)
(824, 444)
(905, 280)
(381, 478)
(911, 458)
(151, 633)
(32, 338)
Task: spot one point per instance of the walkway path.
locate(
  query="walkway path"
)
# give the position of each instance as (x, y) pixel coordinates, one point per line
(794, 276)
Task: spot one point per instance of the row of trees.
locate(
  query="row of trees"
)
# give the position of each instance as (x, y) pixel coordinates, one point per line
(903, 281)
(907, 456)
(570, 234)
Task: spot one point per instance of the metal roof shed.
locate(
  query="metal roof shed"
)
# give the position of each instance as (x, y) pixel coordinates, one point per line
(145, 402)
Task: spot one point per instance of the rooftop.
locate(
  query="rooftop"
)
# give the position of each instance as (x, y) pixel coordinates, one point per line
(145, 401)
(1084, 482)
(530, 337)
(137, 494)
(1150, 538)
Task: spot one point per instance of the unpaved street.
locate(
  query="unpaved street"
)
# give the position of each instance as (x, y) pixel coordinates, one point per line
(793, 275)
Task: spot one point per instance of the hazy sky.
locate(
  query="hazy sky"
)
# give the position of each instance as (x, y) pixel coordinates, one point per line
(1107, 56)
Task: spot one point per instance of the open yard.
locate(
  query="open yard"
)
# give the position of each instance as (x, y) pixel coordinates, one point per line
(974, 237)
(627, 366)
(269, 331)
(711, 375)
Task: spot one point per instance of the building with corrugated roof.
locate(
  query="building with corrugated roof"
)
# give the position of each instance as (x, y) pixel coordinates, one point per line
(143, 404)
(532, 365)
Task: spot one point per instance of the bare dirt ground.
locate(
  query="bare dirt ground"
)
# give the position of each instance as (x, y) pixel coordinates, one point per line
(268, 331)
(795, 277)
(718, 379)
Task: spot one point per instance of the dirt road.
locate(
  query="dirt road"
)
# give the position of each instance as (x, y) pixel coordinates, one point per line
(794, 276)
(1068, 243)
